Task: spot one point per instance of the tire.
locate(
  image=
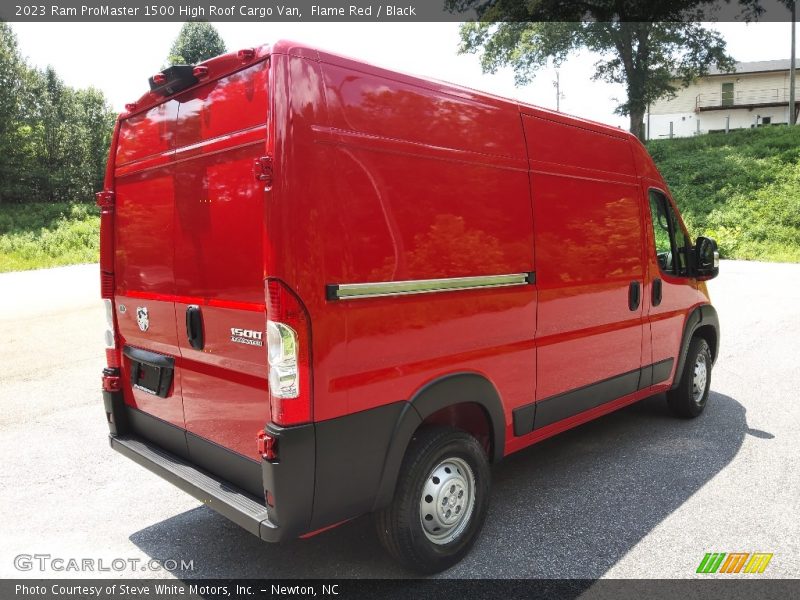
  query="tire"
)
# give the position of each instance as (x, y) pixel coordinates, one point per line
(689, 398)
(439, 469)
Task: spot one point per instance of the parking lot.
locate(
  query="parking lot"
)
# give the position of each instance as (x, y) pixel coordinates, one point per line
(634, 494)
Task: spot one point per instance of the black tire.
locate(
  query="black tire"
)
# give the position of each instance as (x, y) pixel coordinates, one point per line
(399, 525)
(684, 400)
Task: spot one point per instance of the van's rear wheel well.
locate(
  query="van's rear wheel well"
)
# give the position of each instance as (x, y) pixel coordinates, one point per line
(469, 417)
(465, 401)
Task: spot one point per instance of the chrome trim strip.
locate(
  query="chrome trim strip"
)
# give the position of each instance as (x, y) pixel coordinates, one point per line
(352, 291)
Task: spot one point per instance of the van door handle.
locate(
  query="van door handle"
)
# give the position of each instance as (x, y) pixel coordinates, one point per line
(656, 291)
(194, 326)
(634, 295)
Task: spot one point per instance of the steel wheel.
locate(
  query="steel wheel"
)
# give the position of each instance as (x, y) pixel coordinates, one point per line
(447, 500)
(689, 396)
(699, 378)
(440, 502)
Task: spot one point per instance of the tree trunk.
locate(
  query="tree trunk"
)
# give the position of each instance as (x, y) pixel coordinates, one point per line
(637, 122)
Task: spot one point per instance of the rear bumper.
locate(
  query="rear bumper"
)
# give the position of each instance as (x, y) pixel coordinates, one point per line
(327, 472)
(216, 493)
(232, 485)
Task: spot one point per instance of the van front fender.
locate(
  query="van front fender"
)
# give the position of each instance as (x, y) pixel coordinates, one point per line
(702, 319)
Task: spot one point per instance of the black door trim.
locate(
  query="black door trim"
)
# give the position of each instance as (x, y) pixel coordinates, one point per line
(655, 373)
(536, 415)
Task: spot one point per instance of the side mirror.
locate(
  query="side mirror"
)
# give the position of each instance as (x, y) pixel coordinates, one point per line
(706, 259)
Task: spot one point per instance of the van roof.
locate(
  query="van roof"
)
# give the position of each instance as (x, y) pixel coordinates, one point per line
(225, 64)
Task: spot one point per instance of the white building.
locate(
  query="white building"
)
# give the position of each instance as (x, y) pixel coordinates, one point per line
(756, 94)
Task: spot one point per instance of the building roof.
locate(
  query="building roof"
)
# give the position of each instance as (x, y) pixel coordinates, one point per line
(758, 66)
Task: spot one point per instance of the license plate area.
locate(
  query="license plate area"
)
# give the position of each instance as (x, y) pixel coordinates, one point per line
(150, 372)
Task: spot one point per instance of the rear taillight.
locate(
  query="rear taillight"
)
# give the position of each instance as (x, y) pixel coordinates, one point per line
(289, 356)
(112, 353)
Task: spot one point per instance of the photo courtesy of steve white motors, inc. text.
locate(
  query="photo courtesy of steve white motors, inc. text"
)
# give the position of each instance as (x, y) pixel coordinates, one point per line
(172, 590)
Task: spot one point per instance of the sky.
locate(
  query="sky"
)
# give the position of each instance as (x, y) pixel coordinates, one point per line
(118, 58)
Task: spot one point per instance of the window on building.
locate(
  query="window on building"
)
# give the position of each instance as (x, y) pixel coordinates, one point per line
(727, 94)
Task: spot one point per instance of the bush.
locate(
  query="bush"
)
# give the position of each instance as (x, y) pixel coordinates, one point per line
(742, 189)
(35, 236)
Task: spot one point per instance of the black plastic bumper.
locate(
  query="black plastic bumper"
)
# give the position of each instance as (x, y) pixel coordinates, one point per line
(326, 472)
(230, 484)
(216, 493)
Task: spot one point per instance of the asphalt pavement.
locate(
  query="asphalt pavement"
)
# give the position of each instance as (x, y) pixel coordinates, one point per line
(635, 494)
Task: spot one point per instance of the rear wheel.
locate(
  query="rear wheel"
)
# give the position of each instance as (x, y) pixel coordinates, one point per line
(440, 501)
(689, 398)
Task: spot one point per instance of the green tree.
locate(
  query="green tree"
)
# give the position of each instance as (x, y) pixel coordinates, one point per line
(70, 133)
(12, 130)
(196, 42)
(54, 139)
(96, 123)
(651, 48)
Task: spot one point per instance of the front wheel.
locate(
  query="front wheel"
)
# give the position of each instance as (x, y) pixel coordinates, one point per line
(440, 502)
(689, 397)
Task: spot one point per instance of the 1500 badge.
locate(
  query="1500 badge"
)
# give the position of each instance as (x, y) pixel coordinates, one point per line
(249, 337)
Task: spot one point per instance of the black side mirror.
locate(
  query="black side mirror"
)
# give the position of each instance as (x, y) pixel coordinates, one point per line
(706, 258)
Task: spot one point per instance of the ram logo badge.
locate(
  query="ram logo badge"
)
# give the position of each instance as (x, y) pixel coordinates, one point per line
(249, 337)
(142, 318)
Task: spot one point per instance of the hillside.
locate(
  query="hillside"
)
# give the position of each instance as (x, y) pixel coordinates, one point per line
(742, 189)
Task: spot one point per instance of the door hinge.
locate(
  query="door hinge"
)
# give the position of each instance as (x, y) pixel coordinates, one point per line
(104, 199)
(262, 169)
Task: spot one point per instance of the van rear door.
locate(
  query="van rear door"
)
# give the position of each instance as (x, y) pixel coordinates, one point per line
(219, 260)
(143, 263)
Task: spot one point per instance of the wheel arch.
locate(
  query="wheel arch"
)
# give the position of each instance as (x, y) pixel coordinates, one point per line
(702, 321)
(447, 391)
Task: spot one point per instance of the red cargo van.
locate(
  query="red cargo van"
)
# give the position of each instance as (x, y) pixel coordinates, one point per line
(334, 289)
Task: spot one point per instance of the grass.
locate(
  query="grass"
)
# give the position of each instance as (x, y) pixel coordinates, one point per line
(742, 189)
(37, 236)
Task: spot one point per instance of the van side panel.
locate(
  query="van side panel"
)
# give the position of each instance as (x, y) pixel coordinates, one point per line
(557, 140)
(589, 251)
(431, 184)
(302, 212)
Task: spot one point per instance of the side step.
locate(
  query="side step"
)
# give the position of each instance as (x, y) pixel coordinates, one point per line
(228, 500)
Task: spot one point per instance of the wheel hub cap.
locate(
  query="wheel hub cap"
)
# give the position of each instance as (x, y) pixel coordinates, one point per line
(447, 501)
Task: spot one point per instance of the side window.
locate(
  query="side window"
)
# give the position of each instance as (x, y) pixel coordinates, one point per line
(671, 243)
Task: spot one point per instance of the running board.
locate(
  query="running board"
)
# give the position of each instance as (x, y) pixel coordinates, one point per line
(228, 500)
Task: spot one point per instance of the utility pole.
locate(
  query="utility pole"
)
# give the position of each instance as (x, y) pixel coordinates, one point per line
(557, 85)
(792, 108)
